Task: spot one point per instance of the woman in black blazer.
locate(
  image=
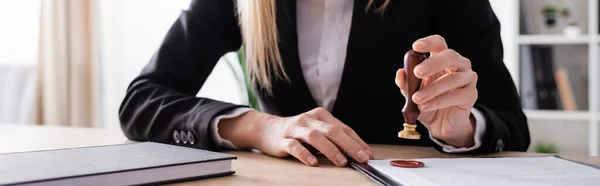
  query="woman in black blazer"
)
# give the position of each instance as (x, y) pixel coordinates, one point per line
(323, 71)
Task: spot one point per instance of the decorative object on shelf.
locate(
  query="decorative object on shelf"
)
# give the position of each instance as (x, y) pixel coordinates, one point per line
(550, 16)
(572, 30)
(555, 19)
(565, 12)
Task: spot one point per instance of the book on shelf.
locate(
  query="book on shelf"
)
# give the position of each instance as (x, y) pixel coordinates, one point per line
(528, 92)
(565, 90)
(538, 89)
(543, 66)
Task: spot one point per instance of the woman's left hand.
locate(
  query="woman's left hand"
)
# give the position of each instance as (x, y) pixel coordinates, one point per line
(448, 92)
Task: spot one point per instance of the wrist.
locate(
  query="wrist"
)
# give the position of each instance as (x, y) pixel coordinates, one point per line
(243, 131)
(467, 137)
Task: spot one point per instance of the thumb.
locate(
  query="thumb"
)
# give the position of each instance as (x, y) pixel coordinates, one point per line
(401, 81)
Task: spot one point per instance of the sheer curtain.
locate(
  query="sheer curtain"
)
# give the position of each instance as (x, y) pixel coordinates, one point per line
(66, 64)
(17, 83)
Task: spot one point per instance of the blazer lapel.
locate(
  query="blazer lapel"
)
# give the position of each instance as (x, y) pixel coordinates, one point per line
(365, 33)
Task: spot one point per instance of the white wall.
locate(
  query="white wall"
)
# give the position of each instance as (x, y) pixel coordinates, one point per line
(131, 31)
(508, 14)
(129, 34)
(19, 26)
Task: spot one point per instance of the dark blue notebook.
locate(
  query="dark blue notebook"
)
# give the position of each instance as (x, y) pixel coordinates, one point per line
(125, 164)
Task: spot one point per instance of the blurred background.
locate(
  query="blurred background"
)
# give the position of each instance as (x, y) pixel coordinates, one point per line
(69, 62)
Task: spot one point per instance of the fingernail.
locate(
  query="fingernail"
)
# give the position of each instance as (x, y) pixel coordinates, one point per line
(362, 156)
(312, 160)
(418, 96)
(371, 154)
(341, 159)
(420, 45)
(421, 70)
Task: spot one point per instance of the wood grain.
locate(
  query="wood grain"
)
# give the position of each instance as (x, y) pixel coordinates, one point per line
(252, 168)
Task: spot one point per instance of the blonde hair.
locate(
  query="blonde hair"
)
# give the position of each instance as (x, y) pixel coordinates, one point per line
(260, 38)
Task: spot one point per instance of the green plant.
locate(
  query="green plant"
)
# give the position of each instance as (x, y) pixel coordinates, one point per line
(547, 148)
(550, 12)
(549, 9)
(566, 12)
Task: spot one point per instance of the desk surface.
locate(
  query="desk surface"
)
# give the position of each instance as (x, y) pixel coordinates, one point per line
(251, 168)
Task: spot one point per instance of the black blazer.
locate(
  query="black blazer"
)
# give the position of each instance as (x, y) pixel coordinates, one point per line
(161, 100)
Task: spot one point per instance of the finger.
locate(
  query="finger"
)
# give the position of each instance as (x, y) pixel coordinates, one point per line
(459, 97)
(294, 148)
(323, 115)
(357, 138)
(320, 142)
(443, 84)
(401, 81)
(352, 134)
(336, 134)
(447, 59)
(433, 44)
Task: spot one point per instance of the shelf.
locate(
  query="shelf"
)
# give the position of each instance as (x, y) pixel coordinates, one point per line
(557, 115)
(552, 39)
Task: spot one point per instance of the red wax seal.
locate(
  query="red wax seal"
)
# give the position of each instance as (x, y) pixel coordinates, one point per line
(407, 163)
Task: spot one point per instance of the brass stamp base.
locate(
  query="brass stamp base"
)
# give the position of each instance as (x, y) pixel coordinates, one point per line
(409, 132)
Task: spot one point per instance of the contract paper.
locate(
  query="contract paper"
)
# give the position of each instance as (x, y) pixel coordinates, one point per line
(542, 171)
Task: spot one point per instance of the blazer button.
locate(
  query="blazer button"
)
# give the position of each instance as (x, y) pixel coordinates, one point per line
(183, 137)
(176, 136)
(191, 138)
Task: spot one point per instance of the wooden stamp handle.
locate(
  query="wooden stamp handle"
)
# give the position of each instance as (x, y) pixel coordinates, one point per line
(411, 60)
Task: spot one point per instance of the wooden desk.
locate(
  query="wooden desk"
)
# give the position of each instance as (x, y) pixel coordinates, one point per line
(251, 168)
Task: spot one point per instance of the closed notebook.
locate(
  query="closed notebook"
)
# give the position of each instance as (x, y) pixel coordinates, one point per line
(125, 164)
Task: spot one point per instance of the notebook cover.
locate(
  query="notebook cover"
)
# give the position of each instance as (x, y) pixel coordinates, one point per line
(374, 175)
(35, 166)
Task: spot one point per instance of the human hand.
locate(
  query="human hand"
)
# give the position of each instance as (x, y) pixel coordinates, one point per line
(283, 136)
(448, 92)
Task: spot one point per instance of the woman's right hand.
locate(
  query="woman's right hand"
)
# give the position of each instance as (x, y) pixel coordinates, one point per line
(283, 136)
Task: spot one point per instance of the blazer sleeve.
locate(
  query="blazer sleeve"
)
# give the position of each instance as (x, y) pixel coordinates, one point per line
(471, 28)
(160, 104)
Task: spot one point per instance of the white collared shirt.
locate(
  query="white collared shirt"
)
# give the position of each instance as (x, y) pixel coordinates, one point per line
(323, 31)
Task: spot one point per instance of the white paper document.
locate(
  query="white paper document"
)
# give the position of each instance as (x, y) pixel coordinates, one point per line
(523, 171)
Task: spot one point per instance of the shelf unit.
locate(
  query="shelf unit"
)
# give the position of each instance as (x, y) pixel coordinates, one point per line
(592, 40)
(552, 40)
(558, 115)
